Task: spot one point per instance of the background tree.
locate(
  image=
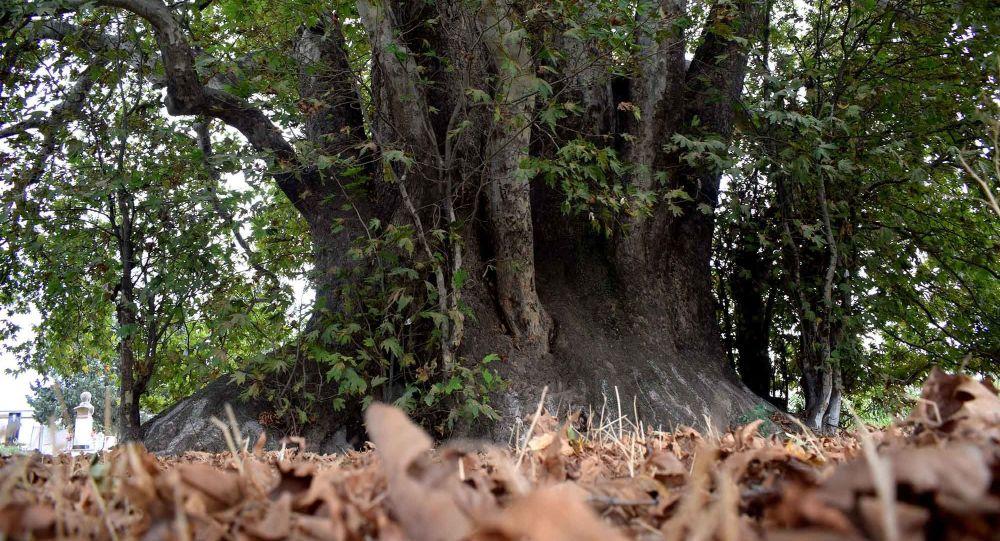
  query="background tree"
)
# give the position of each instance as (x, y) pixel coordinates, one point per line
(124, 245)
(855, 175)
(94, 377)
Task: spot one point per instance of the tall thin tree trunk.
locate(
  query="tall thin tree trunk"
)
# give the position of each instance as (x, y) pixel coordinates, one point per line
(130, 429)
(751, 309)
(831, 418)
(509, 193)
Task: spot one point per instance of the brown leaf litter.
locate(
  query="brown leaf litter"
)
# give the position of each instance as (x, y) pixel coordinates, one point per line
(935, 475)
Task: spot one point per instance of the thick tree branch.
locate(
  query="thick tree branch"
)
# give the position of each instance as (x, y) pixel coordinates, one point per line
(406, 102)
(714, 83)
(187, 95)
(657, 89)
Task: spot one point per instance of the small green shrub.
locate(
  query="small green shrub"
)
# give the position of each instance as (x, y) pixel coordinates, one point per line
(382, 343)
(9, 450)
(762, 412)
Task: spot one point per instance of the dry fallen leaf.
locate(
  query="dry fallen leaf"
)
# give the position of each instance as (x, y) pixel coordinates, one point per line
(541, 441)
(426, 513)
(944, 467)
(556, 513)
(276, 522)
(222, 487)
(26, 521)
(953, 402)
(665, 467)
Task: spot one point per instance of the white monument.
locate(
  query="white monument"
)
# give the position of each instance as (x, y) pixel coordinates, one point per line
(83, 429)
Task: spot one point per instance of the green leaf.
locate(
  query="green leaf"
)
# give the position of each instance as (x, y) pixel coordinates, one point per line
(477, 95)
(391, 345)
(458, 280)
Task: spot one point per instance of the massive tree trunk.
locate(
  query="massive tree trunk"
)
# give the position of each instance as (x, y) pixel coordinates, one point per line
(630, 316)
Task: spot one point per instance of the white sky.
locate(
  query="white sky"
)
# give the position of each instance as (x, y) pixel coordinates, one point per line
(14, 390)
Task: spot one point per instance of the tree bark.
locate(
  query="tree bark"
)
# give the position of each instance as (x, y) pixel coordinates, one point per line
(657, 91)
(509, 194)
(130, 429)
(634, 313)
(337, 208)
(831, 418)
(816, 382)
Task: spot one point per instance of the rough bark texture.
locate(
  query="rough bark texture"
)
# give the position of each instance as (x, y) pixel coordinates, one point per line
(131, 380)
(509, 190)
(334, 127)
(628, 320)
(188, 425)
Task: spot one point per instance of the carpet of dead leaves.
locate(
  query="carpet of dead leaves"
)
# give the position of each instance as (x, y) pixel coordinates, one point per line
(935, 475)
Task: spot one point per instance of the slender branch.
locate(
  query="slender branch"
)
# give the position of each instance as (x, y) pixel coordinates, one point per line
(187, 95)
(447, 353)
(982, 183)
(68, 109)
(205, 143)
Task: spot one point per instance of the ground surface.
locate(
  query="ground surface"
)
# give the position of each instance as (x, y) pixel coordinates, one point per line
(934, 476)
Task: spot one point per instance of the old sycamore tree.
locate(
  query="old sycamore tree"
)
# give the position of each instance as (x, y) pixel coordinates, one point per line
(529, 183)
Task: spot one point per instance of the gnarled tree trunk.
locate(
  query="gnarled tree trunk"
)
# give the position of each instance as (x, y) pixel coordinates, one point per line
(630, 316)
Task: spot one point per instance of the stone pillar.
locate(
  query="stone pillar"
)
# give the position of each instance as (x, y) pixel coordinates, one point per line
(13, 428)
(83, 428)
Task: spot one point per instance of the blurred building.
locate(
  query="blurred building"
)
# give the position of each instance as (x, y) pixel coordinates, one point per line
(23, 430)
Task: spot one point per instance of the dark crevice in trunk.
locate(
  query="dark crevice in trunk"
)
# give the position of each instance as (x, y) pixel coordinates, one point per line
(644, 328)
(752, 302)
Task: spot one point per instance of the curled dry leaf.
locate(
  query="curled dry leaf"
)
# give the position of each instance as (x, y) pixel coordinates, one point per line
(258, 446)
(747, 436)
(956, 477)
(541, 441)
(953, 402)
(944, 468)
(665, 467)
(426, 513)
(556, 513)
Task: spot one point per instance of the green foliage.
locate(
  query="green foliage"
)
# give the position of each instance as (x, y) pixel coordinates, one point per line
(593, 181)
(11, 450)
(882, 406)
(381, 342)
(65, 237)
(863, 120)
(762, 413)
